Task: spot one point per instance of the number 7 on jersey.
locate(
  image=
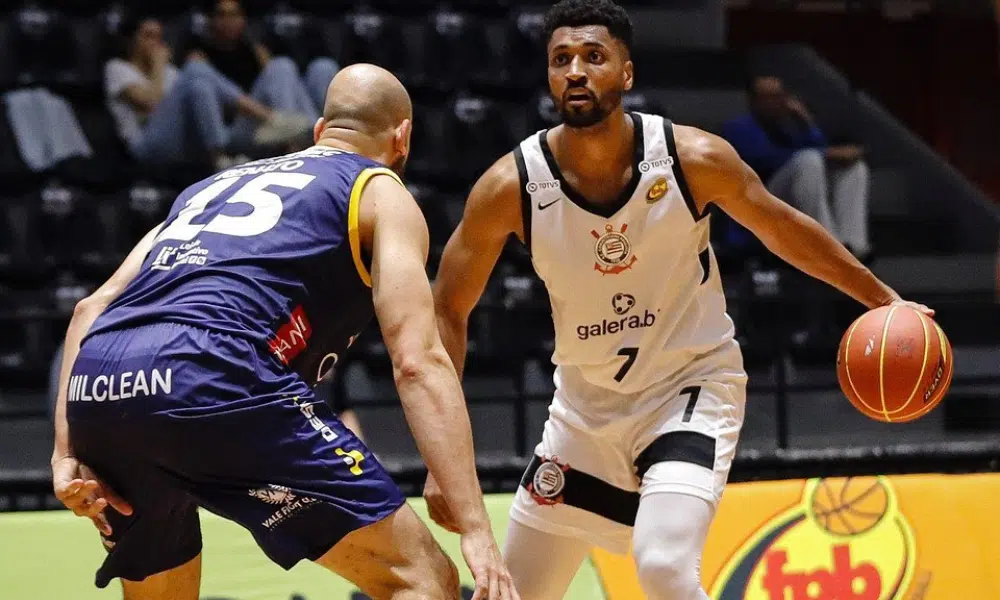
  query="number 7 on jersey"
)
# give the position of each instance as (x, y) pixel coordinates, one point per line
(630, 353)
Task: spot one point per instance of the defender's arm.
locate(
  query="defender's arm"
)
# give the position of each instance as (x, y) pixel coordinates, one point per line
(492, 213)
(394, 230)
(84, 315)
(716, 173)
(74, 484)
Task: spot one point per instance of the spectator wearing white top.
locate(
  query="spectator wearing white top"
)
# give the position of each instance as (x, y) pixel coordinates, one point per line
(164, 114)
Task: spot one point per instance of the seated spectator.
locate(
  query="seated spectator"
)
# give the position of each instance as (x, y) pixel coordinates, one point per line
(780, 140)
(272, 81)
(165, 114)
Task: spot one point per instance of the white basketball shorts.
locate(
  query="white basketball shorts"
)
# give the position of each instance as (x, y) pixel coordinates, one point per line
(602, 452)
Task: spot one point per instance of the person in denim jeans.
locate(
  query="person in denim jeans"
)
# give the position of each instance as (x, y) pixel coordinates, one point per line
(165, 114)
(272, 80)
(780, 140)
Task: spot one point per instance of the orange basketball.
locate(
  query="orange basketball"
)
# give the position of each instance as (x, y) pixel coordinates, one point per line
(894, 364)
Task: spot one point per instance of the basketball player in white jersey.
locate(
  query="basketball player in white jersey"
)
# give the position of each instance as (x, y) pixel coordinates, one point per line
(650, 385)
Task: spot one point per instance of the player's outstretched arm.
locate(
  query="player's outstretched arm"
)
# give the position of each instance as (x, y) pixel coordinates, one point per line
(716, 174)
(74, 484)
(492, 213)
(393, 228)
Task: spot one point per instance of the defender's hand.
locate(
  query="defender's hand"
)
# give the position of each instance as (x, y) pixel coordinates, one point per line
(437, 506)
(81, 491)
(493, 582)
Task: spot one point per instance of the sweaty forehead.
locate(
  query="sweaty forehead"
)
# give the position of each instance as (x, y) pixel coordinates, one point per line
(576, 37)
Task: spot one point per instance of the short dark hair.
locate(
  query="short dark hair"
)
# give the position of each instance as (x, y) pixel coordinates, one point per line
(126, 30)
(581, 13)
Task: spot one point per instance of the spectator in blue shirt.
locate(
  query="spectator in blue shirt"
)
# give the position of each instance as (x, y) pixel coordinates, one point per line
(779, 139)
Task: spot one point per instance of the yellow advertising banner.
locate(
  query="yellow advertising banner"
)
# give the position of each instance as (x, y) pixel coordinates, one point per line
(920, 537)
(914, 537)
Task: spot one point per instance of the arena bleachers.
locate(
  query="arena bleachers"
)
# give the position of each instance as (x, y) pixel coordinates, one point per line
(477, 77)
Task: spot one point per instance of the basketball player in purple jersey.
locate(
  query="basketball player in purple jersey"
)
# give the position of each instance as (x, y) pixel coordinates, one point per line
(187, 377)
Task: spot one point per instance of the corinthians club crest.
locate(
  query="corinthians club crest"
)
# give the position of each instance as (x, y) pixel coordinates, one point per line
(547, 485)
(613, 250)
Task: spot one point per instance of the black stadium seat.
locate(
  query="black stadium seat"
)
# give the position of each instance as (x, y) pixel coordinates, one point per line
(427, 154)
(525, 44)
(45, 48)
(431, 204)
(109, 169)
(14, 358)
(26, 349)
(295, 35)
(57, 209)
(376, 38)
(476, 135)
(76, 238)
(7, 245)
(27, 263)
(458, 50)
(145, 207)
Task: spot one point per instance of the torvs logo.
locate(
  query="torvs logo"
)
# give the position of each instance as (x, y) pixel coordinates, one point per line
(613, 250)
(846, 540)
(536, 186)
(648, 165)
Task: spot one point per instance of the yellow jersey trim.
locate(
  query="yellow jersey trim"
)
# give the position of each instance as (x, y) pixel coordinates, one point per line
(353, 210)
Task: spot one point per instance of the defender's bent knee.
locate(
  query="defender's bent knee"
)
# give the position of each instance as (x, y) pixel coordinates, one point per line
(399, 560)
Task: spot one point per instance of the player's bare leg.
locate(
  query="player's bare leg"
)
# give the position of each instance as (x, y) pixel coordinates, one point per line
(542, 564)
(395, 559)
(669, 537)
(179, 583)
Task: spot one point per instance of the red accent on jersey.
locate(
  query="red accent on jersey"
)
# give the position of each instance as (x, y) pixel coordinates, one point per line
(292, 338)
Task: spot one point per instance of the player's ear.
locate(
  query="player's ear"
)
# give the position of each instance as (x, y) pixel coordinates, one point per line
(318, 128)
(627, 72)
(401, 140)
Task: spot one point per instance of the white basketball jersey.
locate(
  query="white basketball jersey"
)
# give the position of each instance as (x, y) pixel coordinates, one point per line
(635, 288)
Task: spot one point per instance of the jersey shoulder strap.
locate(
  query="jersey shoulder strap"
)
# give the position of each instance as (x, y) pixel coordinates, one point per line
(538, 184)
(354, 212)
(666, 149)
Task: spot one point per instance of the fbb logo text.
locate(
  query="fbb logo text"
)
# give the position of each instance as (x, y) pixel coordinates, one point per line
(845, 582)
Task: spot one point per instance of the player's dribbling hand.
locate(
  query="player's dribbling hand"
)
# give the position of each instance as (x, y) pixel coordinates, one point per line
(437, 506)
(915, 306)
(481, 553)
(81, 491)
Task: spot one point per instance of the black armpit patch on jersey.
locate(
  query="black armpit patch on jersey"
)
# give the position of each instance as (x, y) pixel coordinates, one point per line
(522, 176)
(668, 134)
(706, 264)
